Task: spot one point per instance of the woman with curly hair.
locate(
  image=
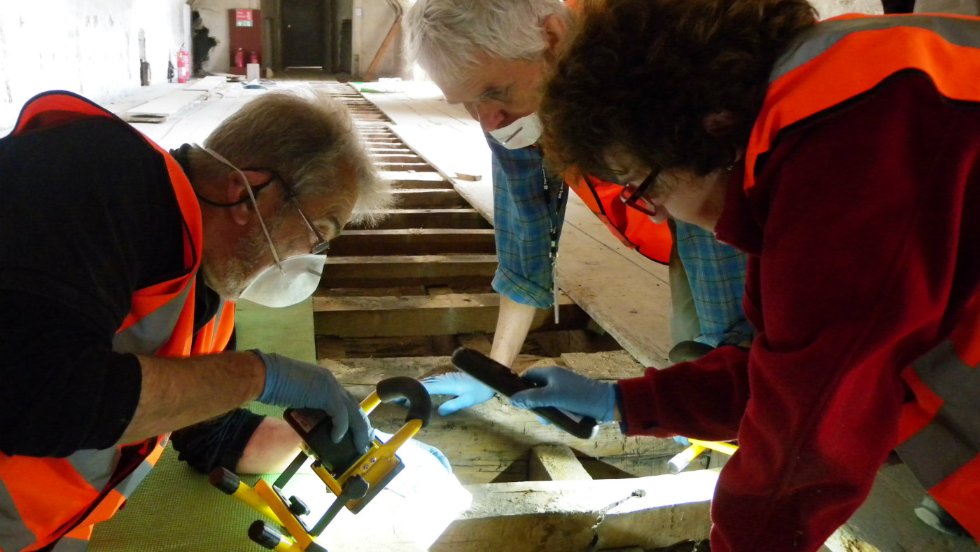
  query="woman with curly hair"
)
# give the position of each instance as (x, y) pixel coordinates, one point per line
(844, 157)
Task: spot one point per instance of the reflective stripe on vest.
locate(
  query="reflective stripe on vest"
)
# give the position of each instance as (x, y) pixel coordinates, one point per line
(940, 431)
(148, 335)
(819, 73)
(14, 534)
(69, 544)
(634, 229)
(956, 426)
(43, 498)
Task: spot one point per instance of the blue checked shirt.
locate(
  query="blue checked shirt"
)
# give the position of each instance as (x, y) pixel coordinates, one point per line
(525, 215)
(716, 274)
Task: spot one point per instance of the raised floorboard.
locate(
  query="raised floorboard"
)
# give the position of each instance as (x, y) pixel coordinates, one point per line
(545, 516)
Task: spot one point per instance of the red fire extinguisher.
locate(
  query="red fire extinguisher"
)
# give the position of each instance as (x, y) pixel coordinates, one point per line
(239, 60)
(183, 65)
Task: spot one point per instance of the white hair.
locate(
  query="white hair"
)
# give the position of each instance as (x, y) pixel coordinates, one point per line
(446, 36)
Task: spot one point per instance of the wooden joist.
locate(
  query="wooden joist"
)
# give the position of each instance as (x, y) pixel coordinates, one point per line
(401, 166)
(405, 177)
(428, 270)
(555, 463)
(413, 242)
(452, 217)
(425, 315)
(432, 198)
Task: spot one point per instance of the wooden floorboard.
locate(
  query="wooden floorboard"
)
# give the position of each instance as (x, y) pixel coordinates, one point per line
(427, 270)
(413, 241)
(425, 315)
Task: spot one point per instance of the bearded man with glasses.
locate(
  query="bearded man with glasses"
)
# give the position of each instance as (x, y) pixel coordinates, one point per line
(119, 266)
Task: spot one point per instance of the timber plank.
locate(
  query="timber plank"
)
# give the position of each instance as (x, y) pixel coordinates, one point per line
(425, 315)
(452, 217)
(555, 463)
(451, 270)
(429, 198)
(413, 242)
(394, 157)
(412, 176)
(535, 516)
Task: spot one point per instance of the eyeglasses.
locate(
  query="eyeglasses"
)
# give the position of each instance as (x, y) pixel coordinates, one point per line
(318, 248)
(321, 245)
(634, 196)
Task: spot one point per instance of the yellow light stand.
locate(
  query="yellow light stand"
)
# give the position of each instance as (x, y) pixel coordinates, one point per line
(354, 479)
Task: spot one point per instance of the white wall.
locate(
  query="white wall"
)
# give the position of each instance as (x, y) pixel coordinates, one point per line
(371, 21)
(85, 46)
(830, 8)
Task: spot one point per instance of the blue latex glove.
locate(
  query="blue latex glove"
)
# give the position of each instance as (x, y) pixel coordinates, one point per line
(681, 440)
(570, 392)
(467, 390)
(297, 384)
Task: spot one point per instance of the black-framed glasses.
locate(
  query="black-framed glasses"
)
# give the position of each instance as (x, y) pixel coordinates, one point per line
(322, 244)
(635, 196)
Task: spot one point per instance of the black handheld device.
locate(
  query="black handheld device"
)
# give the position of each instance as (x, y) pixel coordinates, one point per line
(502, 380)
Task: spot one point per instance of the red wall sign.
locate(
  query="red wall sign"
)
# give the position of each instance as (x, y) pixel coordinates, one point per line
(243, 18)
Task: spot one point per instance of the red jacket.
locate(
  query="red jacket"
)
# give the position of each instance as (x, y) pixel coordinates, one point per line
(861, 218)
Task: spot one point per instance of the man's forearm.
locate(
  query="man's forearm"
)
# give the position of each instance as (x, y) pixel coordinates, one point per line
(273, 445)
(176, 393)
(513, 324)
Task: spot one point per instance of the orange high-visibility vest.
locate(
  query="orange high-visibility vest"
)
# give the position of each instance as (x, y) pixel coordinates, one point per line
(633, 228)
(939, 431)
(58, 500)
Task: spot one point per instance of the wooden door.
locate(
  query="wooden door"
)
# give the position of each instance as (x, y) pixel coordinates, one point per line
(303, 33)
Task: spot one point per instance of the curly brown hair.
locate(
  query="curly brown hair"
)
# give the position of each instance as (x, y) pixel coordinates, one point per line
(642, 76)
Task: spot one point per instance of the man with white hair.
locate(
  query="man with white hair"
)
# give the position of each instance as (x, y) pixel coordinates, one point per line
(493, 56)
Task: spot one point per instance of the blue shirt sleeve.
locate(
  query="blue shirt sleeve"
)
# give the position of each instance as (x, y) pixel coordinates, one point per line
(527, 218)
(716, 274)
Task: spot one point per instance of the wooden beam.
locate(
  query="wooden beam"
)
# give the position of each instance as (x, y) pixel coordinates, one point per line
(413, 242)
(402, 166)
(429, 199)
(383, 271)
(393, 33)
(397, 157)
(555, 463)
(425, 315)
(451, 217)
(412, 176)
(562, 515)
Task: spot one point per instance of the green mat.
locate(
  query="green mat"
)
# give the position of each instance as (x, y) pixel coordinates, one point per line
(176, 508)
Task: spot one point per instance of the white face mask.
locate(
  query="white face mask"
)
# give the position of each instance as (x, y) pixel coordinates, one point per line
(290, 280)
(293, 280)
(521, 133)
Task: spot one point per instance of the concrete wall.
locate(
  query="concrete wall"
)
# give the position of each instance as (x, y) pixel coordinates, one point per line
(86, 46)
(372, 20)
